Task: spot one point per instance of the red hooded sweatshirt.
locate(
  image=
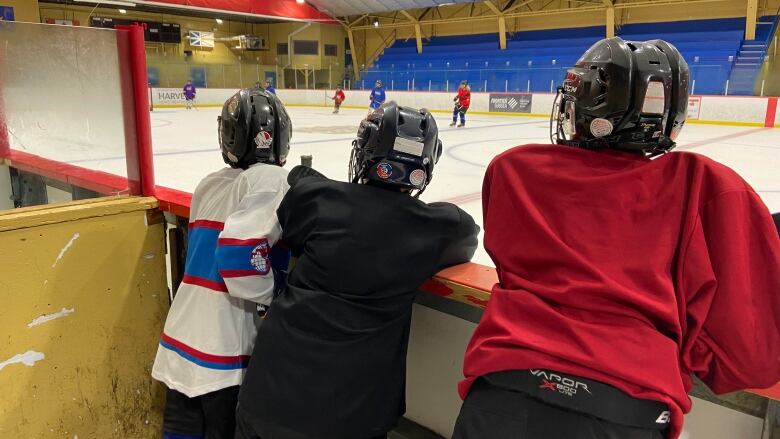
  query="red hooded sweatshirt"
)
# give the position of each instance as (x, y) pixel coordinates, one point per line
(464, 97)
(634, 272)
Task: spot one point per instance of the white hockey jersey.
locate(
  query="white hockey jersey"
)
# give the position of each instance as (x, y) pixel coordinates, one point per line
(211, 327)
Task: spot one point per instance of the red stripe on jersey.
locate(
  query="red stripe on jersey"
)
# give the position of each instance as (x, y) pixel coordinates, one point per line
(222, 359)
(205, 283)
(238, 273)
(233, 241)
(206, 224)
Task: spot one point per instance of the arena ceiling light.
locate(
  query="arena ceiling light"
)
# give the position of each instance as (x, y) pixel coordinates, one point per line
(107, 2)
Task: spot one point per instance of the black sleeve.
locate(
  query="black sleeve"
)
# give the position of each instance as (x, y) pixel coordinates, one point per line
(297, 213)
(300, 172)
(283, 214)
(463, 244)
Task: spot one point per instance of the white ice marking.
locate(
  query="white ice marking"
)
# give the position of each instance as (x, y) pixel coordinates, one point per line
(49, 317)
(65, 249)
(28, 358)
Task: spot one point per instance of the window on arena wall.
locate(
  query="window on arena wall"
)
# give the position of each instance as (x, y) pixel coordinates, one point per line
(306, 47)
(282, 49)
(331, 50)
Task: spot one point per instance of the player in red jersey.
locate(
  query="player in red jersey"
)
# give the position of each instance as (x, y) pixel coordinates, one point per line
(337, 99)
(462, 104)
(624, 269)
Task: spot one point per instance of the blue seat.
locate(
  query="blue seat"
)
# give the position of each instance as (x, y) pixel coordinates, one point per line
(536, 59)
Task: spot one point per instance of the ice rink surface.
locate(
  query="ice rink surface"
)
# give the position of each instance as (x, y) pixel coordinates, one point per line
(186, 149)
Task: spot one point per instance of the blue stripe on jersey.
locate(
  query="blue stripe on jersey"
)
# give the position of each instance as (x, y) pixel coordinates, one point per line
(204, 363)
(235, 257)
(201, 254)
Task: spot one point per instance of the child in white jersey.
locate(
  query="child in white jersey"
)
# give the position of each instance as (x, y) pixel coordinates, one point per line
(233, 264)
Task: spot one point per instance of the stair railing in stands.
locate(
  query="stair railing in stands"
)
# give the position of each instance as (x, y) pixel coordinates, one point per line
(386, 42)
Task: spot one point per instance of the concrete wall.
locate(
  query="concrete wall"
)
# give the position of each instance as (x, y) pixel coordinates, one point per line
(84, 296)
(5, 188)
(435, 363)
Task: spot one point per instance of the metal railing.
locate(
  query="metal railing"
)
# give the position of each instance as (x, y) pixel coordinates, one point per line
(705, 79)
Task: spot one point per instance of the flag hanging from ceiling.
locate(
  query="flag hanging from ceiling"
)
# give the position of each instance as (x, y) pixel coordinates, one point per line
(200, 38)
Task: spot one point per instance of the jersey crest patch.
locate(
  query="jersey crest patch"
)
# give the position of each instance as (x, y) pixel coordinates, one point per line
(260, 258)
(384, 170)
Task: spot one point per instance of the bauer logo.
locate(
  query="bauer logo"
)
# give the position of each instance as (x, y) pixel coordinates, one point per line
(510, 102)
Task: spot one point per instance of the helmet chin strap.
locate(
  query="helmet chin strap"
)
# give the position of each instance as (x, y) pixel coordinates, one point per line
(624, 142)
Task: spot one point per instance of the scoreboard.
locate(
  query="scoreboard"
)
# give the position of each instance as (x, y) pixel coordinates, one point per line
(153, 31)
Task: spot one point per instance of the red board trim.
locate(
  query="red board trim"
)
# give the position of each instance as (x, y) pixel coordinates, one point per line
(281, 9)
(771, 113)
(98, 181)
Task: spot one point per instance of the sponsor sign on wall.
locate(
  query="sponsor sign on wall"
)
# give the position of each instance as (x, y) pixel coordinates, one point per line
(694, 107)
(205, 96)
(167, 96)
(510, 102)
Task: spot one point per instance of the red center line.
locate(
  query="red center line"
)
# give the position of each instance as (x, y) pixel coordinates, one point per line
(463, 199)
(705, 142)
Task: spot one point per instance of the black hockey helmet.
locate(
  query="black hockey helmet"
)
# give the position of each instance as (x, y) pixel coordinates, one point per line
(396, 147)
(254, 127)
(623, 95)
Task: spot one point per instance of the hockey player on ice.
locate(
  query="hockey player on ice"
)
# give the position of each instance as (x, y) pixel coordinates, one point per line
(210, 329)
(189, 93)
(377, 97)
(462, 104)
(624, 268)
(338, 98)
(330, 357)
(269, 87)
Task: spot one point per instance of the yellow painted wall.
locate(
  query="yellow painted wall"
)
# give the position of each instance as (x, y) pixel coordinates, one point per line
(24, 10)
(222, 63)
(103, 262)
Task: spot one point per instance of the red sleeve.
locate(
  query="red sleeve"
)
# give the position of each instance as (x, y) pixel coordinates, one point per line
(730, 281)
(486, 192)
